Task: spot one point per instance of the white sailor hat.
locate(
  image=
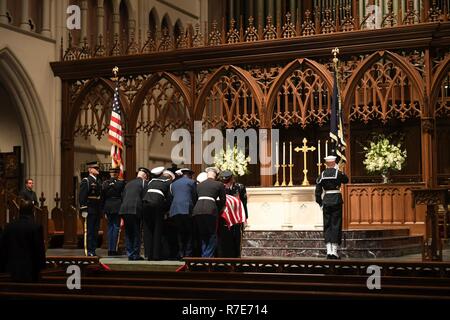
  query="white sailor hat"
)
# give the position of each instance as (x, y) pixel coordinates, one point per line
(157, 171)
(202, 176)
(183, 171)
(330, 158)
(169, 173)
(212, 169)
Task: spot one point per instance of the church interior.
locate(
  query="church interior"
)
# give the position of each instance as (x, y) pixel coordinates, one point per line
(253, 66)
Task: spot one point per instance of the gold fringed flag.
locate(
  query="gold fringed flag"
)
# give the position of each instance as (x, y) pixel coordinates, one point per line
(115, 134)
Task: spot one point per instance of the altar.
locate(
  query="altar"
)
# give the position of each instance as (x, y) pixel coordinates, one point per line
(283, 208)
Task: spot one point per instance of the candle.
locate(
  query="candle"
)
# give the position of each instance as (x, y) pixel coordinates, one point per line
(318, 151)
(284, 152)
(326, 148)
(290, 152)
(276, 154)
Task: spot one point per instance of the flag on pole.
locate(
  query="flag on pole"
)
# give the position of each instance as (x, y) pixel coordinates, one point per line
(338, 144)
(115, 134)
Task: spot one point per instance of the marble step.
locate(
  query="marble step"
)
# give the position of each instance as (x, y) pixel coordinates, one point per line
(320, 253)
(372, 243)
(347, 234)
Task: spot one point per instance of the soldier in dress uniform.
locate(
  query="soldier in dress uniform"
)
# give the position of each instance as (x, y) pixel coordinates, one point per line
(211, 200)
(329, 183)
(91, 207)
(131, 211)
(229, 245)
(112, 197)
(157, 202)
(184, 193)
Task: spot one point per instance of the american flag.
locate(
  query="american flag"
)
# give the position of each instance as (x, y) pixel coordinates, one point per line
(115, 134)
(234, 212)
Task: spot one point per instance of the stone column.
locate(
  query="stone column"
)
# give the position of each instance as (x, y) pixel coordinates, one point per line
(279, 18)
(231, 10)
(24, 23)
(84, 20)
(46, 31)
(293, 10)
(116, 17)
(260, 11)
(270, 9)
(100, 19)
(3, 9)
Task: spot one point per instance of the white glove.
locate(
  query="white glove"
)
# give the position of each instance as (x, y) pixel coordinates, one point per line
(84, 214)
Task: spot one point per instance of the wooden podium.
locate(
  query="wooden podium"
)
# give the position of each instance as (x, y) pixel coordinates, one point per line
(432, 198)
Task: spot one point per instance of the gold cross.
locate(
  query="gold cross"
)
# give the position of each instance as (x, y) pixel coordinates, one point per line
(305, 149)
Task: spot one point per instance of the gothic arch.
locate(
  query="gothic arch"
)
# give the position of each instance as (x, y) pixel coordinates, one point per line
(147, 85)
(399, 61)
(285, 73)
(38, 151)
(76, 106)
(439, 76)
(244, 75)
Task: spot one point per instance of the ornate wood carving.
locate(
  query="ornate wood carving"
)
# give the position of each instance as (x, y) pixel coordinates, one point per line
(303, 98)
(385, 91)
(95, 110)
(163, 108)
(374, 205)
(230, 104)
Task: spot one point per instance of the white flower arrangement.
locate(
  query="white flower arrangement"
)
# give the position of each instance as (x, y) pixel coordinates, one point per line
(233, 160)
(383, 156)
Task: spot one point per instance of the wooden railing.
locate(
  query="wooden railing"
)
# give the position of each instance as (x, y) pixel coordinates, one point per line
(308, 22)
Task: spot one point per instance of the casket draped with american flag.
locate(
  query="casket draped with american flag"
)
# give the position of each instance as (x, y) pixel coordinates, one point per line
(233, 213)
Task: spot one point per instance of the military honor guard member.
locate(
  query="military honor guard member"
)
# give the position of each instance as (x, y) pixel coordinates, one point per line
(91, 207)
(156, 203)
(329, 184)
(131, 211)
(211, 200)
(184, 197)
(229, 244)
(112, 198)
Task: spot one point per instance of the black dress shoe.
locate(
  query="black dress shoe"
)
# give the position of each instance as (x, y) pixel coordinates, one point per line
(113, 253)
(329, 256)
(139, 258)
(334, 257)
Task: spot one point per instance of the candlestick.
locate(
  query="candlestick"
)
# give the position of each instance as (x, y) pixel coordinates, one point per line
(277, 168)
(284, 153)
(291, 184)
(276, 154)
(319, 161)
(290, 152)
(283, 184)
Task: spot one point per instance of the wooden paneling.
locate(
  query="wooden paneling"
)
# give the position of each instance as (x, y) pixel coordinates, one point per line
(384, 206)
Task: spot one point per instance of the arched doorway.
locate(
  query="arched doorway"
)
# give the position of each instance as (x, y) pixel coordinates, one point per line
(38, 154)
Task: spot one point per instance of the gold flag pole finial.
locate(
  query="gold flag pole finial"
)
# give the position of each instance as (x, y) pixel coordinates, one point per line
(115, 71)
(335, 53)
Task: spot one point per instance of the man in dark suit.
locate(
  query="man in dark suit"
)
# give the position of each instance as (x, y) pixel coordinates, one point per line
(22, 250)
(28, 194)
(229, 244)
(131, 211)
(112, 197)
(184, 193)
(157, 202)
(211, 200)
(91, 207)
(329, 183)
